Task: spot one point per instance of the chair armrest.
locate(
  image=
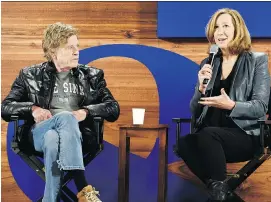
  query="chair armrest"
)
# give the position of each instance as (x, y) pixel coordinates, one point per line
(266, 122)
(15, 119)
(181, 120)
(98, 122)
(15, 139)
(178, 132)
(264, 135)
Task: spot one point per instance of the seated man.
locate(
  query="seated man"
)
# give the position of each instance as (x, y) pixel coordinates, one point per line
(59, 99)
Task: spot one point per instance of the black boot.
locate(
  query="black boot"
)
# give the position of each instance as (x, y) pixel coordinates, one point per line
(218, 190)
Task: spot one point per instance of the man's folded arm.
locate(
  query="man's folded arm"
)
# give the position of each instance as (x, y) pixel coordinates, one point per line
(107, 108)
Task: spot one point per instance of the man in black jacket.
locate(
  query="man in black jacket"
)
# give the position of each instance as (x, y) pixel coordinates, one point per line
(59, 99)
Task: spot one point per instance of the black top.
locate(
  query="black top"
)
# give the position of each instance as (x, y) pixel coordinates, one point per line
(219, 117)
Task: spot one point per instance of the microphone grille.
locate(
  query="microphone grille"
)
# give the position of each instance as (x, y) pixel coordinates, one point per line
(214, 49)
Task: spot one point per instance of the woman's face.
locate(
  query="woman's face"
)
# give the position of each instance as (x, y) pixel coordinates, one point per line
(224, 31)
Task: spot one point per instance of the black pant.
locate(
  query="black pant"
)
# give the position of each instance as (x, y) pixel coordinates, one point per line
(207, 151)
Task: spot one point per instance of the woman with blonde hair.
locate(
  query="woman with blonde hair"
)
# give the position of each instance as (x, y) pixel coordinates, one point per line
(227, 108)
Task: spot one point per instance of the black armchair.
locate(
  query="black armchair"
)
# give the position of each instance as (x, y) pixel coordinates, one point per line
(235, 179)
(23, 146)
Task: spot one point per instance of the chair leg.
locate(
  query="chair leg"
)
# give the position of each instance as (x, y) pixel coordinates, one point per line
(34, 163)
(40, 199)
(246, 171)
(66, 195)
(69, 193)
(235, 198)
(66, 198)
(66, 179)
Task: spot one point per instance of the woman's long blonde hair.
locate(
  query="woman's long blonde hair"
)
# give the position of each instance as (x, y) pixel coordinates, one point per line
(241, 41)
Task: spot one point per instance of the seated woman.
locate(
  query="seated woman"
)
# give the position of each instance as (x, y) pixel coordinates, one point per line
(227, 108)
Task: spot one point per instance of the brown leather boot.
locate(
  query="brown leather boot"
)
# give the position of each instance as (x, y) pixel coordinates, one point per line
(88, 194)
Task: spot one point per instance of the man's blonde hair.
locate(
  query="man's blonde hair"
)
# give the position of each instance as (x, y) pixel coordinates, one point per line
(241, 41)
(54, 36)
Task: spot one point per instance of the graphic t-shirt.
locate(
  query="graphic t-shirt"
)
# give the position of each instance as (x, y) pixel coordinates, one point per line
(67, 93)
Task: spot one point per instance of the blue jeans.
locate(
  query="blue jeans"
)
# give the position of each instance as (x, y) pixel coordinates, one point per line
(59, 138)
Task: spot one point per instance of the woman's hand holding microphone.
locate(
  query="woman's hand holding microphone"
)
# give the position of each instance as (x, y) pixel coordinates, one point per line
(204, 73)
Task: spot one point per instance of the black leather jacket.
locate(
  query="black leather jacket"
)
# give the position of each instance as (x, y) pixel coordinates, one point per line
(35, 84)
(250, 90)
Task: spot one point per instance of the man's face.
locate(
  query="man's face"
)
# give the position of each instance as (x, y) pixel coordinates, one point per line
(67, 55)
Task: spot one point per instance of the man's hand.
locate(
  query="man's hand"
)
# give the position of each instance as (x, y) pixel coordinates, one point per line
(40, 114)
(80, 114)
(222, 101)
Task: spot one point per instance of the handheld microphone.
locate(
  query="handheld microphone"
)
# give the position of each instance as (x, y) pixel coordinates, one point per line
(213, 52)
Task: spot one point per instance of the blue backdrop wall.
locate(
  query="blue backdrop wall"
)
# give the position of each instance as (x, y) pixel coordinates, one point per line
(188, 19)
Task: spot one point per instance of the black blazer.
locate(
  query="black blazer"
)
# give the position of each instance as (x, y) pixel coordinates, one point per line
(250, 90)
